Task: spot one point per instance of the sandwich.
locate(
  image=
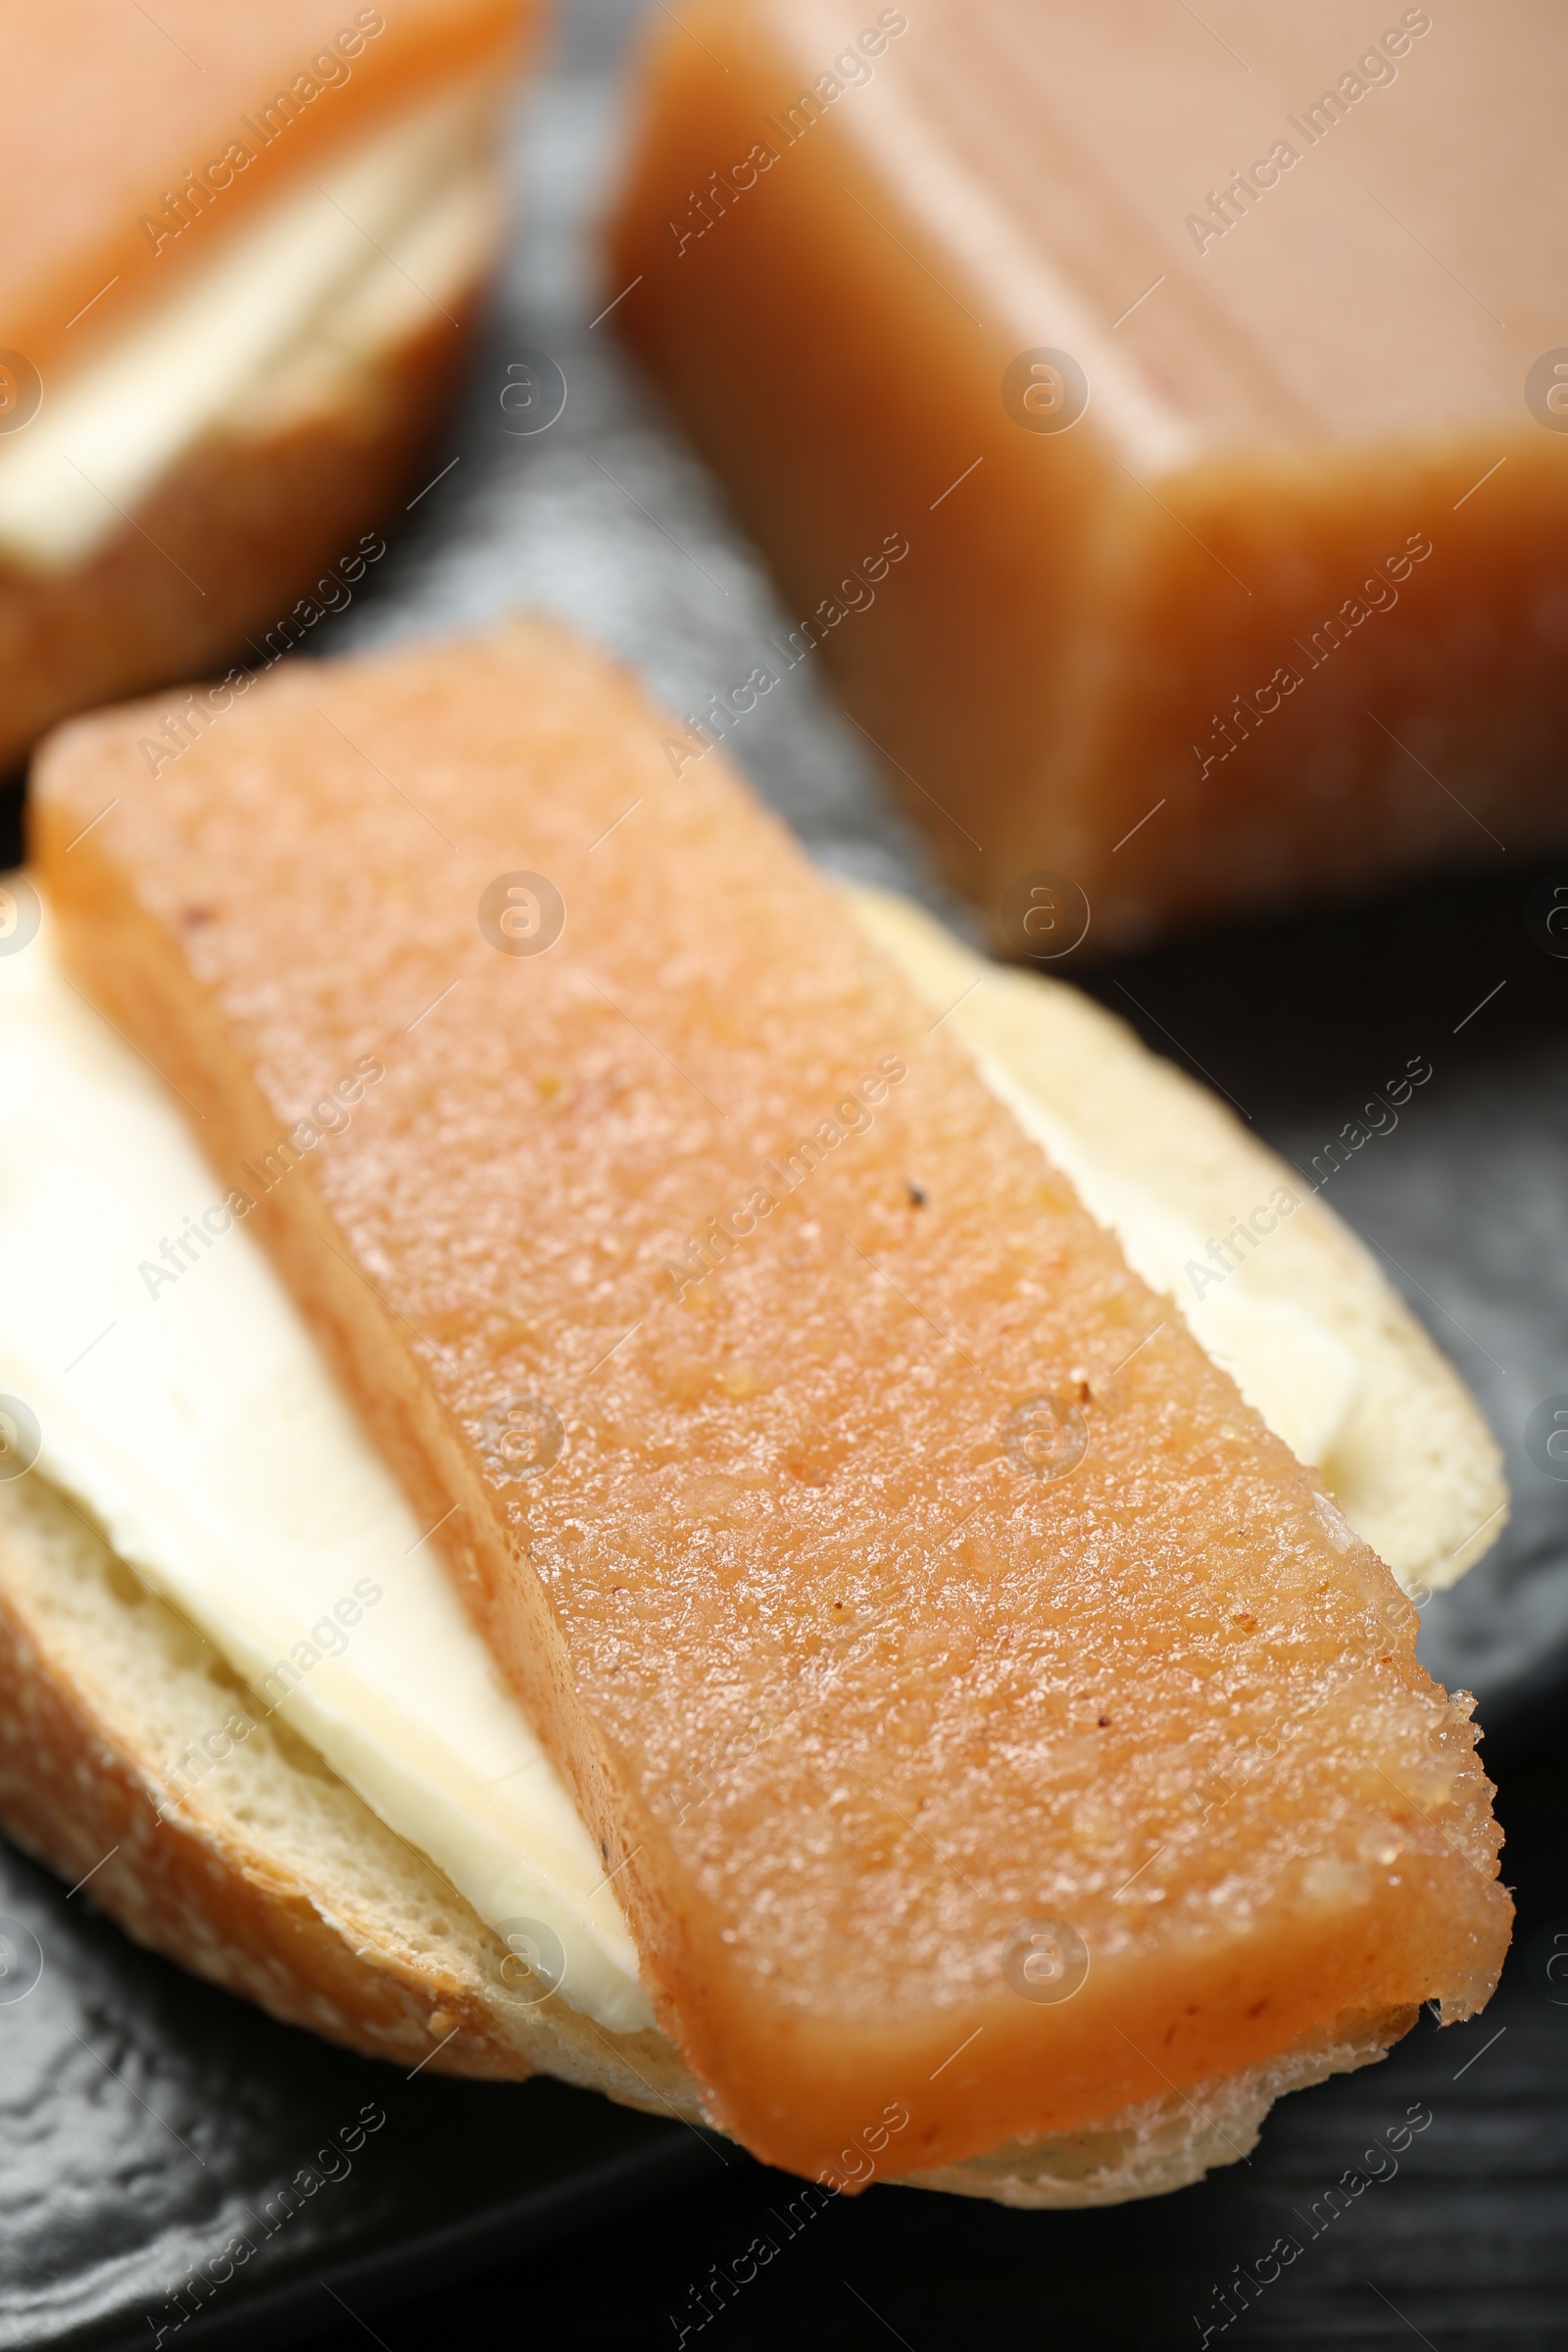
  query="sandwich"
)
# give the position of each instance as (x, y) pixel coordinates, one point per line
(1169, 465)
(587, 1497)
(244, 258)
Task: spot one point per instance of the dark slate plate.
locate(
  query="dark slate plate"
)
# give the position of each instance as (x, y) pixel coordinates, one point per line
(113, 2183)
(171, 2160)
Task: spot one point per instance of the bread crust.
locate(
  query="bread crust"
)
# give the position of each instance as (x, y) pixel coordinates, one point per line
(229, 540)
(85, 1789)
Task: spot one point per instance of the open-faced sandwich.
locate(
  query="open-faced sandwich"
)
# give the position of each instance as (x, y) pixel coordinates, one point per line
(619, 1464)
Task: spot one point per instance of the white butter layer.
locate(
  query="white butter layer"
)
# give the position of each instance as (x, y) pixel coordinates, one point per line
(358, 257)
(198, 1426)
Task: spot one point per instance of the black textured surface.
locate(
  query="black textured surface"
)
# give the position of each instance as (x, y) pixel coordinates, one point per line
(113, 2182)
(151, 2127)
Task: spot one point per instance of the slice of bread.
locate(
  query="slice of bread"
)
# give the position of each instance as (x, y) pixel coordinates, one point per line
(267, 513)
(271, 1878)
(256, 527)
(274, 1880)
